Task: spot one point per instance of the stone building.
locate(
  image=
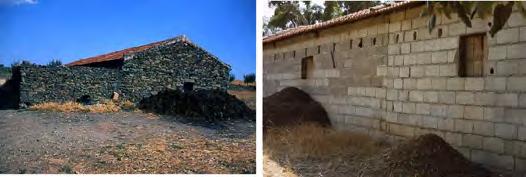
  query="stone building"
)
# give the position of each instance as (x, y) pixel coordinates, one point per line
(134, 73)
(381, 71)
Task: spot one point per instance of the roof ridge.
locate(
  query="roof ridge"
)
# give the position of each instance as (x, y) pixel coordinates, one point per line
(355, 16)
(121, 53)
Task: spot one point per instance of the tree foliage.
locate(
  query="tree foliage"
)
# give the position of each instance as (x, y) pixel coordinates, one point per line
(54, 63)
(291, 14)
(231, 77)
(249, 78)
(466, 11)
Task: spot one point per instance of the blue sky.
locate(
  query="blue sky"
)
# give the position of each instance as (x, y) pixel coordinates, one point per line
(68, 30)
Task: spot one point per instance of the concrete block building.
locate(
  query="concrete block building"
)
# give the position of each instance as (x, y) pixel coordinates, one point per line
(381, 71)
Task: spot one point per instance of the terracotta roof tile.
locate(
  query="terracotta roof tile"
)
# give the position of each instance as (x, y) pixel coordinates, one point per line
(121, 53)
(359, 15)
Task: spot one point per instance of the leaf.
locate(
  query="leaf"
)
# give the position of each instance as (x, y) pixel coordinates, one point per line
(522, 9)
(501, 14)
(432, 22)
(484, 9)
(462, 14)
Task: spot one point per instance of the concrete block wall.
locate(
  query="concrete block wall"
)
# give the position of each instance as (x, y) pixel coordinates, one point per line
(407, 83)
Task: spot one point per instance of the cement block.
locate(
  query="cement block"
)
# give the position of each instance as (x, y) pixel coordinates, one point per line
(439, 83)
(453, 138)
(507, 99)
(464, 126)
(429, 122)
(392, 94)
(422, 108)
(408, 107)
(417, 71)
(404, 72)
(522, 100)
(516, 83)
(423, 84)
(495, 83)
(493, 114)
(456, 29)
(466, 98)
(447, 97)
(438, 110)
(403, 95)
(455, 83)
(522, 34)
(483, 128)
(485, 98)
(455, 111)
(398, 83)
(522, 133)
(416, 96)
(506, 131)
(474, 112)
(510, 35)
(432, 70)
(405, 48)
(431, 97)
(515, 20)
(448, 70)
(497, 53)
(493, 144)
(423, 58)
(493, 159)
(516, 51)
(475, 84)
(446, 124)
(410, 84)
(472, 141)
(439, 57)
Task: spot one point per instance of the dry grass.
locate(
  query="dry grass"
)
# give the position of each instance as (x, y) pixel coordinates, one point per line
(247, 96)
(312, 150)
(102, 107)
(314, 141)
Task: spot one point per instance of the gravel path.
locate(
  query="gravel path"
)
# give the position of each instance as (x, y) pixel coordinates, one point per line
(124, 142)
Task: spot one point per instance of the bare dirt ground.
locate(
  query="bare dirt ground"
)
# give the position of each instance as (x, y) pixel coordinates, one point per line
(122, 142)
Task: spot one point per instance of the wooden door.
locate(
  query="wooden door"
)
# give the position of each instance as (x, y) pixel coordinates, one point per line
(473, 55)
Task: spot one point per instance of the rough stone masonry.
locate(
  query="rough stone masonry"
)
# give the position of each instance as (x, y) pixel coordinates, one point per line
(385, 74)
(134, 73)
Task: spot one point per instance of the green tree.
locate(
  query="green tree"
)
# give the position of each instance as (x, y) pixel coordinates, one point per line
(231, 77)
(249, 78)
(291, 14)
(466, 11)
(54, 63)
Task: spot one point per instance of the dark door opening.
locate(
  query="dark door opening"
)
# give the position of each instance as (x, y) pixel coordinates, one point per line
(188, 86)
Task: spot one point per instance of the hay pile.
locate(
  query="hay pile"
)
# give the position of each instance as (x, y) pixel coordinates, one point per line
(292, 106)
(211, 105)
(429, 155)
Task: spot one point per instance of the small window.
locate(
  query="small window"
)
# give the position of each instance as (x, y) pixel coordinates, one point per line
(275, 56)
(473, 51)
(439, 32)
(307, 67)
(350, 44)
(396, 38)
(360, 43)
(305, 51)
(333, 47)
(374, 41)
(188, 86)
(319, 48)
(414, 35)
(294, 54)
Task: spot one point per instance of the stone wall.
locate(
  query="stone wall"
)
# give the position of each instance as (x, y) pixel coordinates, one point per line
(415, 87)
(169, 66)
(60, 84)
(143, 74)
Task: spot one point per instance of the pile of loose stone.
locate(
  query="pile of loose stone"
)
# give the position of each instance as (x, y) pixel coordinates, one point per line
(210, 105)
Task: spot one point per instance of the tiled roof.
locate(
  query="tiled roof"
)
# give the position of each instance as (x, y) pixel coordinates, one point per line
(359, 15)
(121, 53)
